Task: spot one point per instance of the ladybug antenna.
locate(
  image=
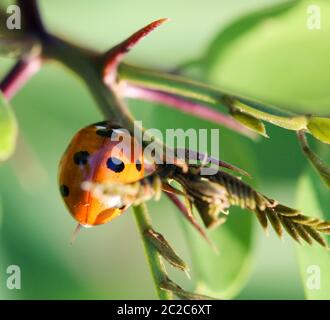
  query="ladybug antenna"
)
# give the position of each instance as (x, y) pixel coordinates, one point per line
(75, 233)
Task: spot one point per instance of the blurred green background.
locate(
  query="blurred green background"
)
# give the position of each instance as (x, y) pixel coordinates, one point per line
(271, 55)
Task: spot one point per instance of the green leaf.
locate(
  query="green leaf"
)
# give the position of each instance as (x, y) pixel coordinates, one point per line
(314, 262)
(271, 114)
(224, 274)
(248, 63)
(320, 128)
(8, 130)
(272, 56)
(250, 122)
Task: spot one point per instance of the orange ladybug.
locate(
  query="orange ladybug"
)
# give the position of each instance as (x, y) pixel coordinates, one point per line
(99, 153)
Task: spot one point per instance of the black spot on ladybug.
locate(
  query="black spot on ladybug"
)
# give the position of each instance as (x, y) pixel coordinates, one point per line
(81, 158)
(104, 133)
(115, 164)
(64, 190)
(138, 165)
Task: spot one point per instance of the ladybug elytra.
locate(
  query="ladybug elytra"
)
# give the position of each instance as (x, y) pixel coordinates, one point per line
(97, 155)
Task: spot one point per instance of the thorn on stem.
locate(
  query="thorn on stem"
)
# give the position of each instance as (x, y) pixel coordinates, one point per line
(115, 55)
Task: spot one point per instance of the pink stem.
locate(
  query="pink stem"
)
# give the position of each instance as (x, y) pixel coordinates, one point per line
(23, 71)
(204, 112)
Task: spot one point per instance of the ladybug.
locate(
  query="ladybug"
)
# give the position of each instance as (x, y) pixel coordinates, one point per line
(98, 153)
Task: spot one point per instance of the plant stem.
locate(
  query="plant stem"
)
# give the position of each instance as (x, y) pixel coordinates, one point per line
(207, 96)
(322, 168)
(31, 16)
(84, 63)
(172, 84)
(156, 265)
(22, 71)
(184, 105)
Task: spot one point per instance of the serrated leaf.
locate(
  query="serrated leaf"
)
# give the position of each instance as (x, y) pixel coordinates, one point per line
(314, 261)
(290, 228)
(261, 215)
(320, 128)
(165, 250)
(8, 130)
(250, 122)
(275, 222)
(301, 230)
